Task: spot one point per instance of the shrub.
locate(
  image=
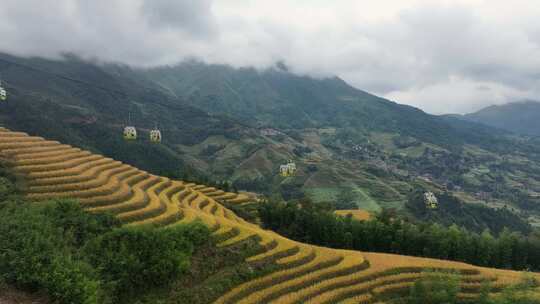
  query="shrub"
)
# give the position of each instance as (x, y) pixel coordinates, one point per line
(68, 281)
(55, 246)
(35, 254)
(7, 188)
(444, 288)
(195, 233)
(521, 293)
(435, 288)
(77, 225)
(135, 258)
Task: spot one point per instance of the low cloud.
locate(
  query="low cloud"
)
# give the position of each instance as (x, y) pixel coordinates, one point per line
(453, 56)
(193, 17)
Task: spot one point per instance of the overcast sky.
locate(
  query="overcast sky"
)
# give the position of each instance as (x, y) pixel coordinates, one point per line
(442, 56)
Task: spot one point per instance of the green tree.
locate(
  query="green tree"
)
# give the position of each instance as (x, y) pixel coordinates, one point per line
(435, 288)
(485, 249)
(506, 242)
(40, 252)
(135, 258)
(346, 200)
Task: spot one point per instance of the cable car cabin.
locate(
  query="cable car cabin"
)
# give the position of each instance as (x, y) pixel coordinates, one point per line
(3, 94)
(288, 169)
(155, 136)
(130, 133)
(292, 166)
(431, 200)
(284, 170)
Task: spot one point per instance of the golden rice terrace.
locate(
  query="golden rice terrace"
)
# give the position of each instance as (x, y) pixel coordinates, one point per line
(307, 274)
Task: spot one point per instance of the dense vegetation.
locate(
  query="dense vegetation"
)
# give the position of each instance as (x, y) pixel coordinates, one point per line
(437, 288)
(85, 105)
(306, 222)
(81, 258)
(475, 217)
(284, 100)
(57, 249)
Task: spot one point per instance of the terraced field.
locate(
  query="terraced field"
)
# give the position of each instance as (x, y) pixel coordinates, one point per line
(361, 215)
(307, 274)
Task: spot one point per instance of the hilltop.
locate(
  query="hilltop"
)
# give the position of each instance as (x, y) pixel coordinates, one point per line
(521, 117)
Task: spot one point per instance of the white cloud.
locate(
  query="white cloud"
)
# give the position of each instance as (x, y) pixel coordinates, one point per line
(435, 55)
(459, 95)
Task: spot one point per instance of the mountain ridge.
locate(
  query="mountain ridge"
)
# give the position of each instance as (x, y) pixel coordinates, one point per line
(346, 142)
(522, 117)
(305, 105)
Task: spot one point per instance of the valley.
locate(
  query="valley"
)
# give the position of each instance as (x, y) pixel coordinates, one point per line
(302, 272)
(366, 150)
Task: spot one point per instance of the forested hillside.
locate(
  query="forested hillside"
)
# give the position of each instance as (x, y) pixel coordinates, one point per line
(219, 123)
(279, 99)
(88, 105)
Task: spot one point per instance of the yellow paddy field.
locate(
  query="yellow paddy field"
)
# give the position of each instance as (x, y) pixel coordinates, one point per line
(308, 274)
(361, 215)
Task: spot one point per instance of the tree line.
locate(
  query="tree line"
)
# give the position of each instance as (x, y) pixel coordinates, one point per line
(387, 232)
(474, 217)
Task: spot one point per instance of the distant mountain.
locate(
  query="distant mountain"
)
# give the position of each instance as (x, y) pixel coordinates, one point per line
(240, 125)
(520, 117)
(280, 99)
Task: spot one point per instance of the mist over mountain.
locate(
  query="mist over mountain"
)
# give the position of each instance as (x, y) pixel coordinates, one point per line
(396, 49)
